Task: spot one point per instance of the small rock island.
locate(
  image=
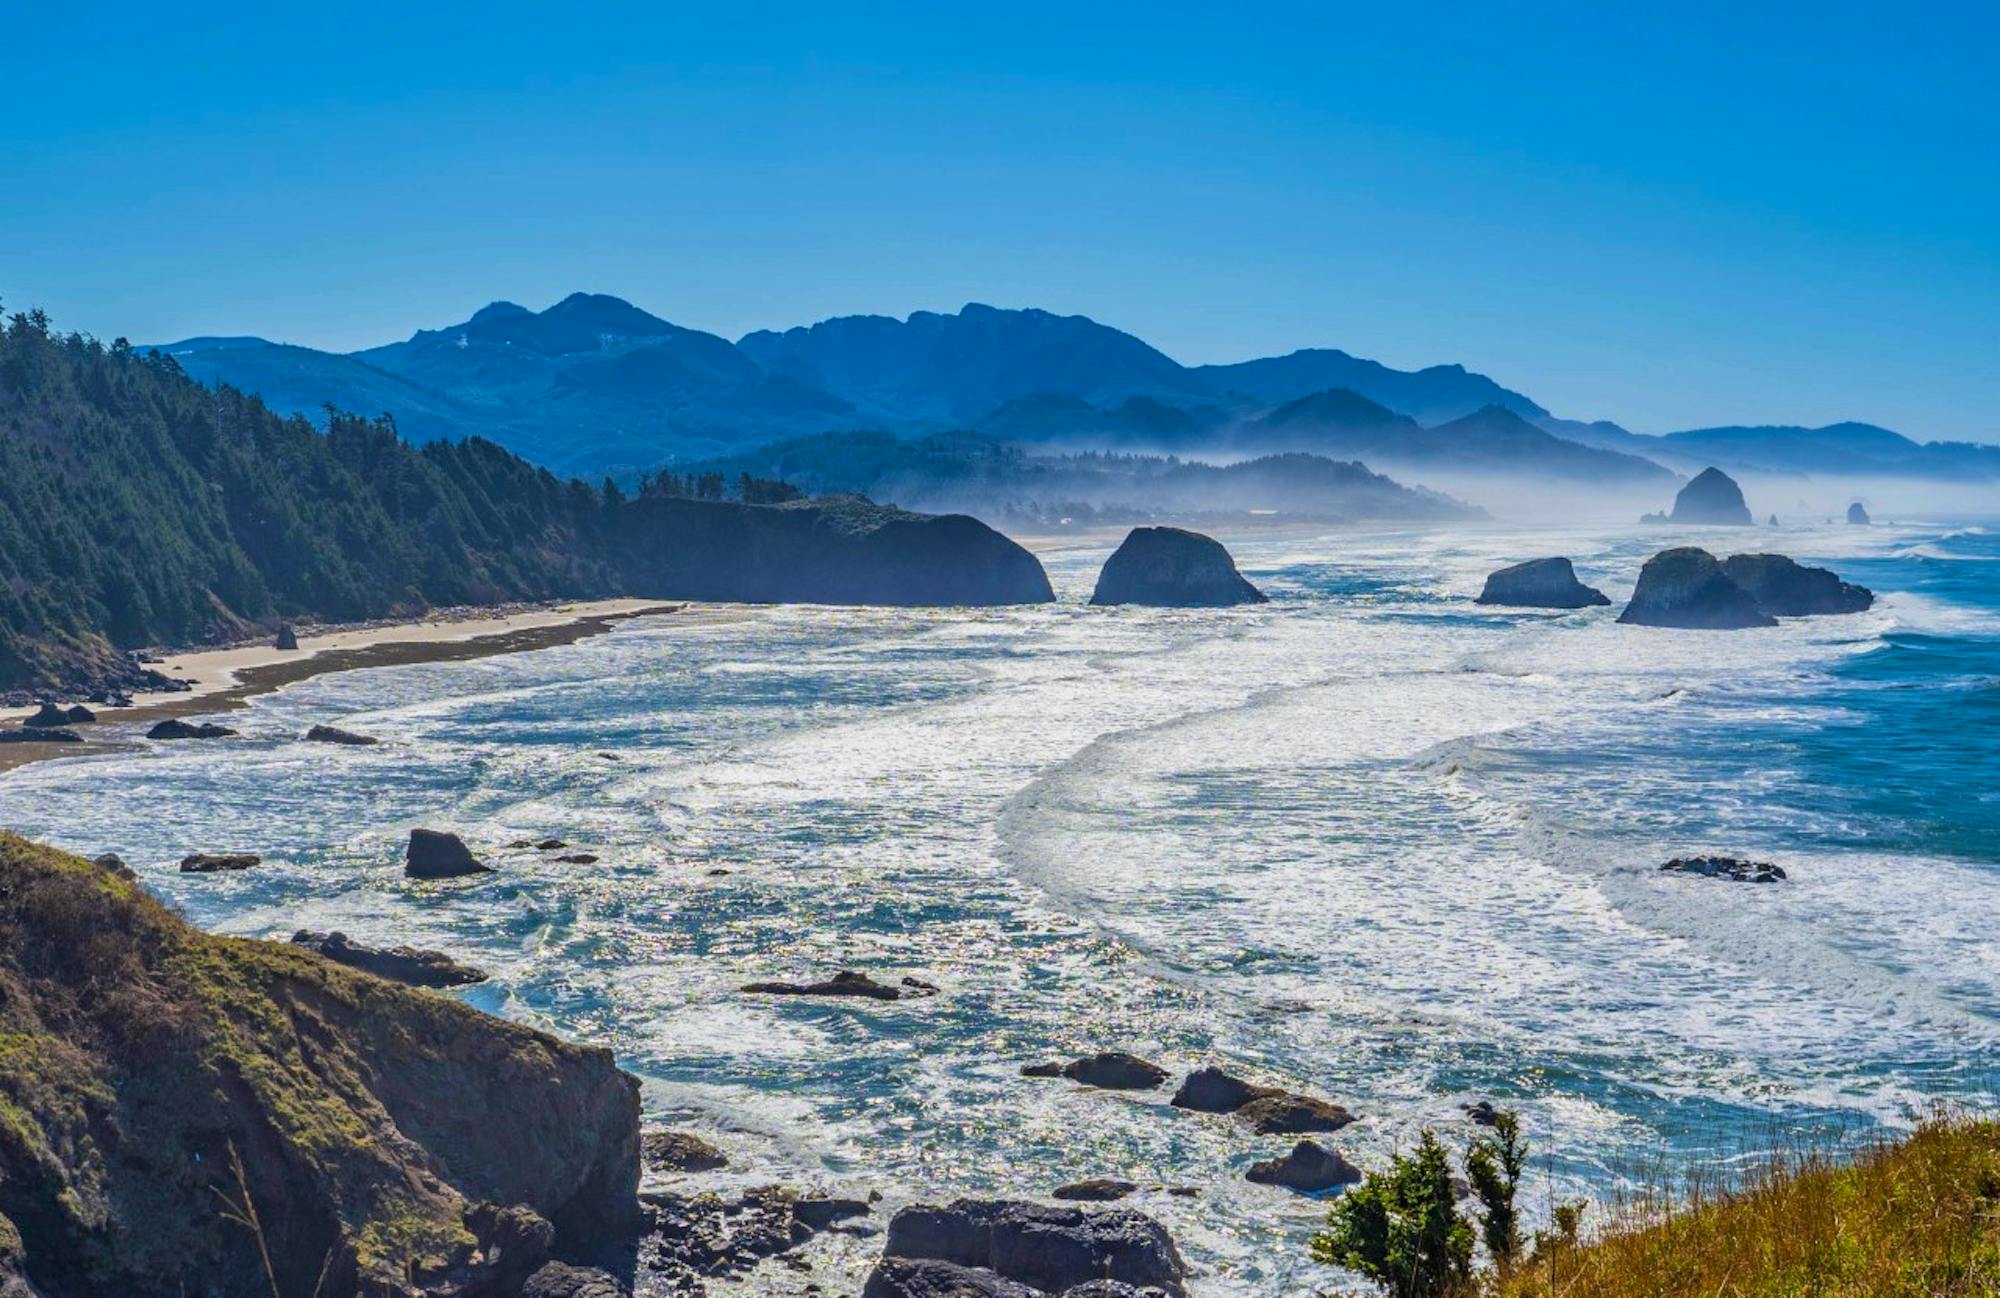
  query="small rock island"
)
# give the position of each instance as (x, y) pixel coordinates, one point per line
(1712, 497)
(1167, 567)
(1540, 583)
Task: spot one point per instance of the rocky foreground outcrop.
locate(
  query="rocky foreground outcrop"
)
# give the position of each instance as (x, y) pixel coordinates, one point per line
(1168, 567)
(392, 1142)
(1540, 583)
(976, 1248)
(1711, 497)
(1784, 588)
(1687, 588)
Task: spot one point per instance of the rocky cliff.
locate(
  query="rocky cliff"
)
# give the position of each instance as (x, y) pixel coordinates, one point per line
(183, 1113)
(1169, 567)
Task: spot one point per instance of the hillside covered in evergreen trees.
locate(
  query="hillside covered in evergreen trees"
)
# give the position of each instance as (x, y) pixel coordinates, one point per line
(140, 508)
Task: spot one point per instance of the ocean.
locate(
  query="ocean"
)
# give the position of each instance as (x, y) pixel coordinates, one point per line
(1369, 841)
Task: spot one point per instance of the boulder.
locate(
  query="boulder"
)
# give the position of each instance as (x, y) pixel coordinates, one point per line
(1211, 1090)
(1111, 1070)
(680, 1151)
(1097, 1189)
(1482, 1113)
(77, 714)
(1171, 568)
(286, 638)
(434, 854)
(175, 728)
(1051, 1249)
(335, 735)
(211, 862)
(1857, 515)
(1784, 588)
(1725, 867)
(909, 1277)
(561, 1280)
(1309, 1169)
(847, 982)
(1687, 588)
(44, 735)
(577, 858)
(1287, 1114)
(401, 964)
(46, 716)
(1712, 497)
(1540, 583)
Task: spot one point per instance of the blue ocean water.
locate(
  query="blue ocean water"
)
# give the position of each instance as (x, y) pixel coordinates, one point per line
(1368, 840)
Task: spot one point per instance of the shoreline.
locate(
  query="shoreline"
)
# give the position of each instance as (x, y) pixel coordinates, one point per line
(227, 679)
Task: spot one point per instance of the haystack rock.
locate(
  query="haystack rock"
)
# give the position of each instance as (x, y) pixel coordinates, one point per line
(1713, 497)
(1170, 568)
(1687, 588)
(1540, 583)
(1784, 588)
(1857, 515)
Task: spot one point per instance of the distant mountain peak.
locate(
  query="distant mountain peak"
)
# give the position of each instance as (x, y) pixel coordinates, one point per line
(500, 310)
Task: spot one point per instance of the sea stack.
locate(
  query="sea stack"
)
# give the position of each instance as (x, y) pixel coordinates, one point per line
(434, 854)
(1713, 497)
(1784, 588)
(1540, 583)
(1170, 568)
(1857, 515)
(1687, 588)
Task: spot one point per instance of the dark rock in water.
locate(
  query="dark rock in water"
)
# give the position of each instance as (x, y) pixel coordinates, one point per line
(1111, 1070)
(286, 638)
(78, 714)
(681, 1151)
(550, 845)
(175, 728)
(1857, 515)
(561, 1280)
(1211, 1090)
(1097, 1189)
(434, 854)
(210, 862)
(1540, 583)
(1725, 867)
(1482, 1113)
(1171, 568)
(577, 858)
(48, 735)
(910, 1277)
(1713, 497)
(1774, 520)
(819, 1212)
(1309, 1169)
(847, 982)
(335, 735)
(403, 964)
(1784, 588)
(696, 1236)
(1287, 1114)
(1051, 1249)
(1687, 588)
(50, 715)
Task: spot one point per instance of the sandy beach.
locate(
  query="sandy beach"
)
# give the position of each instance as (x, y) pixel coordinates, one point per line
(226, 678)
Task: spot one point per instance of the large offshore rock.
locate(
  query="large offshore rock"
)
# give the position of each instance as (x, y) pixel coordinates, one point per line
(1172, 568)
(435, 854)
(1784, 588)
(1540, 583)
(1687, 588)
(1857, 514)
(1712, 497)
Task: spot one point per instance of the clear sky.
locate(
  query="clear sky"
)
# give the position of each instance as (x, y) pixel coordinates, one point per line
(1669, 215)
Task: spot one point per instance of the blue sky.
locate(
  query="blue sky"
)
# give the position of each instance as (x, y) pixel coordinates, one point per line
(1679, 216)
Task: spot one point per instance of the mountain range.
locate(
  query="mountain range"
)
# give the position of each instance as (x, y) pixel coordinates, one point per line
(596, 385)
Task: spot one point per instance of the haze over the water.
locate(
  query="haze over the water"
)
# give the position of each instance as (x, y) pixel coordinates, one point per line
(1671, 219)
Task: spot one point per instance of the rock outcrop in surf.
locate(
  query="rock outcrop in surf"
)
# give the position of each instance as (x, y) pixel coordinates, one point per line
(1170, 567)
(1785, 588)
(390, 1140)
(1010, 1248)
(1687, 588)
(1711, 497)
(1540, 583)
(1857, 514)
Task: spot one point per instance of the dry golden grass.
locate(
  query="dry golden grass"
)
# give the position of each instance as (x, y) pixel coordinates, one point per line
(1916, 1218)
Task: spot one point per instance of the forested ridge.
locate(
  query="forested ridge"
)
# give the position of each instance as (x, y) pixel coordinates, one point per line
(138, 507)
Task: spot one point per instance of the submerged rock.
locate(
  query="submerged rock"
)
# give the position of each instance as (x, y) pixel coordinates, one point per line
(1784, 588)
(434, 854)
(1857, 515)
(1688, 589)
(335, 735)
(577, 858)
(42, 735)
(847, 982)
(1049, 1249)
(681, 1151)
(1540, 583)
(403, 964)
(1725, 867)
(1310, 1169)
(1172, 568)
(1712, 497)
(1111, 1070)
(210, 862)
(1097, 1189)
(175, 728)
